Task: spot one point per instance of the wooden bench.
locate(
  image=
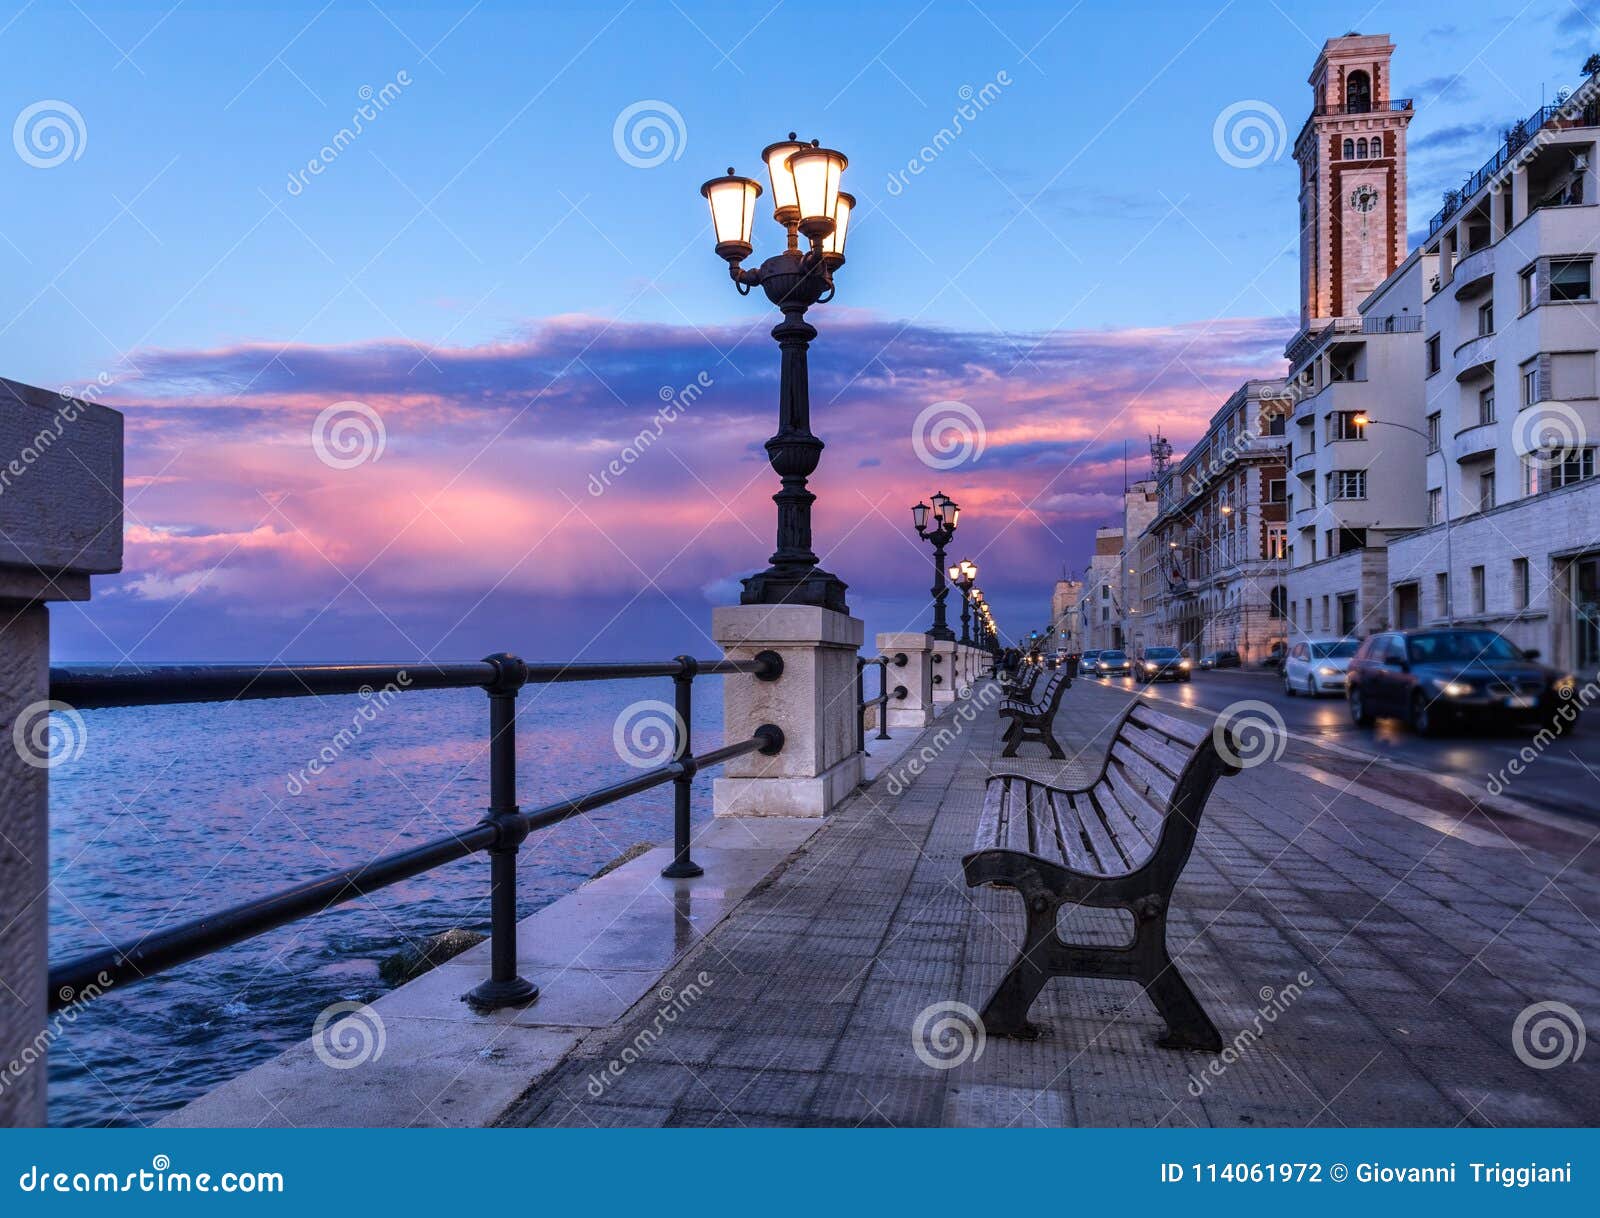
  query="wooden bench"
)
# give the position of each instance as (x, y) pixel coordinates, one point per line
(1021, 686)
(1118, 843)
(1035, 721)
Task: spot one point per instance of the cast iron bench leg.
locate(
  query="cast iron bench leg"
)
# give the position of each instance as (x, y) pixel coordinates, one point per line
(1188, 1025)
(1006, 1012)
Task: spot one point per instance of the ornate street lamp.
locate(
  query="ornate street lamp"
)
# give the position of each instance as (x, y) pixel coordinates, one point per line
(807, 201)
(963, 574)
(937, 533)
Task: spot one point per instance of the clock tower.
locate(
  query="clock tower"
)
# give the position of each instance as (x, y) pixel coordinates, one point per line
(1352, 158)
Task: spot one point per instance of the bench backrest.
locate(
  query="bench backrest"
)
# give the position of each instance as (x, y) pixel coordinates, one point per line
(1029, 681)
(1050, 700)
(1160, 771)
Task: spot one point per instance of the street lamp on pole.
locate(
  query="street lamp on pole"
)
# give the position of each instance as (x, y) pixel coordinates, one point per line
(1363, 421)
(807, 202)
(962, 575)
(945, 513)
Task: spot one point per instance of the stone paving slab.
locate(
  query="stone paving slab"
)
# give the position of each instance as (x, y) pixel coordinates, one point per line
(1367, 968)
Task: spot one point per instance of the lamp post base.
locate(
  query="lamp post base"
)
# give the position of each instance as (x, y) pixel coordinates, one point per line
(775, 586)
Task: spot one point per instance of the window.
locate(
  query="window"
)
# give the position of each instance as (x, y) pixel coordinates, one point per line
(1433, 432)
(1569, 279)
(1528, 287)
(1519, 583)
(1277, 542)
(1441, 592)
(1277, 490)
(1342, 425)
(1361, 150)
(1347, 484)
(1349, 150)
(1485, 406)
(1435, 506)
(1550, 470)
(1530, 382)
(1324, 613)
(1486, 491)
(1486, 318)
(1275, 424)
(1358, 93)
(1571, 376)
(1433, 355)
(1278, 602)
(1477, 590)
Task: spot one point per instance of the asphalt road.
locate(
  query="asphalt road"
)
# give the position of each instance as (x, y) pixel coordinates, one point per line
(1564, 777)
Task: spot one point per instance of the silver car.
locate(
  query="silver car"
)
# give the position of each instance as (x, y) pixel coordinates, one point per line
(1317, 666)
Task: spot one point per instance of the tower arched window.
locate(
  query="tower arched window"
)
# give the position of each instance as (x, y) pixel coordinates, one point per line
(1361, 150)
(1358, 93)
(1349, 149)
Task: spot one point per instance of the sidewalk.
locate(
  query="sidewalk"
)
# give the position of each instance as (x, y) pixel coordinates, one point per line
(1368, 968)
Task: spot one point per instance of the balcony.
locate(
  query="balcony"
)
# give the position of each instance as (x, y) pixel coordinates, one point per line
(1305, 463)
(1474, 274)
(1474, 356)
(1478, 441)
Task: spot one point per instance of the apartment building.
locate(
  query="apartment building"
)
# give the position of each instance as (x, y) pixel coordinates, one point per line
(1100, 610)
(1511, 535)
(1064, 616)
(1354, 485)
(1220, 533)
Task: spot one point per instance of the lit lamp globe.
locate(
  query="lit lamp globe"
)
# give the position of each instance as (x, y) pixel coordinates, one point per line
(785, 202)
(833, 244)
(733, 210)
(817, 172)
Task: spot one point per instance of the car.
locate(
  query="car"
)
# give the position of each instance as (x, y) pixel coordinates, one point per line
(1317, 666)
(1275, 656)
(1087, 664)
(1112, 664)
(1438, 678)
(1163, 664)
(1226, 658)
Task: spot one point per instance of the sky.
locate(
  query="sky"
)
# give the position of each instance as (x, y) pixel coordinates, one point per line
(373, 383)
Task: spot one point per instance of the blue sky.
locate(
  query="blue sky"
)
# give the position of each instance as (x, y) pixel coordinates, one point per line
(1085, 207)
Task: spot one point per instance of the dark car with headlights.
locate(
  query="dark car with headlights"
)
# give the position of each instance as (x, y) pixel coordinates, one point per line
(1434, 679)
(1226, 658)
(1162, 664)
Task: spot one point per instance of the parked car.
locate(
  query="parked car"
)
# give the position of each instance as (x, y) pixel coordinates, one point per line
(1088, 666)
(1318, 666)
(1275, 657)
(1163, 664)
(1112, 664)
(1226, 658)
(1437, 678)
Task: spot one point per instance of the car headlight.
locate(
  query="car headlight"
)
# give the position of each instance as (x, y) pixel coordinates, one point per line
(1149, 665)
(1327, 670)
(1183, 663)
(1452, 689)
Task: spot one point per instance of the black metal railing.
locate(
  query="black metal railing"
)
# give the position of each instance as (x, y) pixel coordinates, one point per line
(882, 664)
(501, 832)
(1512, 142)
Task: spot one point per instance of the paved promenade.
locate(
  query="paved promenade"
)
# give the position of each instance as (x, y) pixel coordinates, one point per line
(1366, 948)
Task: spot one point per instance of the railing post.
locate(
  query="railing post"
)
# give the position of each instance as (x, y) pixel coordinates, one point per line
(883, 697)
(861, 707)
(504, 987)
(682, 866)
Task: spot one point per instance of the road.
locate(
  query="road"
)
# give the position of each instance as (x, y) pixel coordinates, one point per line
(1564, 777)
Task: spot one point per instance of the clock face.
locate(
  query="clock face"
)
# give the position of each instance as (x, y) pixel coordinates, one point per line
(1364, 198)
